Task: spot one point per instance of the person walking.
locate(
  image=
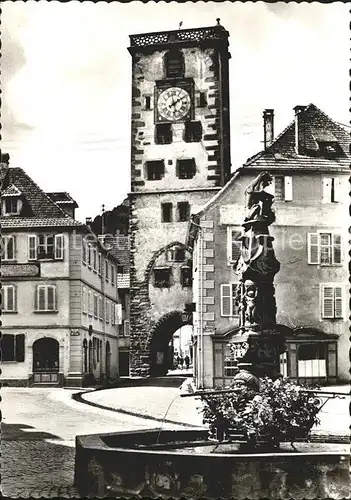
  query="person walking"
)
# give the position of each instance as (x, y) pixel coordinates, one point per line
(187, 361)
(181, 361)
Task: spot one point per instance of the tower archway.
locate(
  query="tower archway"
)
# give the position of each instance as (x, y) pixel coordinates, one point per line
(160, 353)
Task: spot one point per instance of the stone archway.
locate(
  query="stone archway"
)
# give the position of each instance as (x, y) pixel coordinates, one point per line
(160, 337)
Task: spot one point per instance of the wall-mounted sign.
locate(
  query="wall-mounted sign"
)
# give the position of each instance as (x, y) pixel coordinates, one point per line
(18, 270)
(75, 333)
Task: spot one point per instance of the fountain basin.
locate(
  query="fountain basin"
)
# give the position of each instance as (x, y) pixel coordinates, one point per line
(183, 463)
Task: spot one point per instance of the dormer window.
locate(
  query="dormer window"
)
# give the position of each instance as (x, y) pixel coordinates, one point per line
(329, 149)
(11, 202)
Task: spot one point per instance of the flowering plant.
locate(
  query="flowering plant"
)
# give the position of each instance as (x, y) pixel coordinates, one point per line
(279, 411)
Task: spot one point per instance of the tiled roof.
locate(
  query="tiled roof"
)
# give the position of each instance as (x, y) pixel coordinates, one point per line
(123, 280)
(282, 154)
(14, 222)
(314, 126)
(120, 249)
(39, 210)
(62, 198)
(11, 190)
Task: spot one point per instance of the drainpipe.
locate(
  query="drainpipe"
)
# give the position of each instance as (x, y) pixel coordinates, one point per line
(201, 330)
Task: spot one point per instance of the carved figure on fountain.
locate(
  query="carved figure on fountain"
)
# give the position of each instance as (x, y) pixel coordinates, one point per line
(258, 201)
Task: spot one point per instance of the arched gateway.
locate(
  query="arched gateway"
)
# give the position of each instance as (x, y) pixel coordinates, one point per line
(161, 335)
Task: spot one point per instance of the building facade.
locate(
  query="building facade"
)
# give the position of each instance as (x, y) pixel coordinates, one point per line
(60, 303)
(309, 162)
(180, 158)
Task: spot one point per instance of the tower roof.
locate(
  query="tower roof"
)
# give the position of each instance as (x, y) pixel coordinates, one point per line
(188, 37)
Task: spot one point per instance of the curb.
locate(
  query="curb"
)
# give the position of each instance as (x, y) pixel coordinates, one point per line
(78, 397)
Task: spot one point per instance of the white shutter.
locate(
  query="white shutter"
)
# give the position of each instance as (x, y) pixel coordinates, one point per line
(118, 314)
(226, 300)
(327, 301)
(336, 182)
(288, 194)
(100, 309)
(338, 302)
(32, 247)
(326, 193)
(59, 246)
(84, 306)
(337, 248)
(313, 252)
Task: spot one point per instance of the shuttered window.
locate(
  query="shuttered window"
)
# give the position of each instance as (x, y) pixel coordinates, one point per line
(324, 248)
(331, 190)
(85, 301)
(101, 311)
(8, 298)
(32, 247)
(234, 244)
(96, 306)
(332, 301)
(8, 248)
(59, 245)
(46, 298)
(12, 347)
(228, 299)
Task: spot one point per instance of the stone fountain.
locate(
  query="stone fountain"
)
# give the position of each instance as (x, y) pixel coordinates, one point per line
(184, 463)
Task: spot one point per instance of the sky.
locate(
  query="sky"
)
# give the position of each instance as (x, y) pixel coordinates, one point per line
(66, 81)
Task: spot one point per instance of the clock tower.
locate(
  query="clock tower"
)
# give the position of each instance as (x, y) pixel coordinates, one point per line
(180, 158)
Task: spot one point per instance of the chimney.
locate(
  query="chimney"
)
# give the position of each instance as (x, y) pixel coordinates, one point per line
(298, 130)
(268, 127)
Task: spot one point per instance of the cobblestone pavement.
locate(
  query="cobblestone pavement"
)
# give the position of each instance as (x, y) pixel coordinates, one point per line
(39, 426)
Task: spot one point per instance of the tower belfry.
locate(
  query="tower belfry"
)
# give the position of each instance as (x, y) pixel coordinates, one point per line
(180, 158)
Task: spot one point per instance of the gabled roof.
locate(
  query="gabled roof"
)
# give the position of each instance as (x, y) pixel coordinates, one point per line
(10, 191)
(281, 154)
(62, 198)
(39, 210)
(315, 126)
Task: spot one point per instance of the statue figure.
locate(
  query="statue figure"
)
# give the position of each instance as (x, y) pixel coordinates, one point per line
(251, 295)
(258, 201)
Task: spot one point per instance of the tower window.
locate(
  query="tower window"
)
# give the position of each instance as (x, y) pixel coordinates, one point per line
(166, 212)
(186, 169)
(163, 133)
(155, 170)
(148, 102)
(193, 132)
(185, 276)
(183, 211)
(176, 254)
(174, 64)
(202, 100)
(162, 277)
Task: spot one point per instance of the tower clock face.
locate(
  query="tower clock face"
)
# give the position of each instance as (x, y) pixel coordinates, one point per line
(173, 103)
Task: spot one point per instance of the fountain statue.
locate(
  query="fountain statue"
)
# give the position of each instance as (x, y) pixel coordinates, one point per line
(185, 463)
(259, 342)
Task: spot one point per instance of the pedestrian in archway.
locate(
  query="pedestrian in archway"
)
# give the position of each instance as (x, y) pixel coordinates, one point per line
(181, 361)
(187, 362)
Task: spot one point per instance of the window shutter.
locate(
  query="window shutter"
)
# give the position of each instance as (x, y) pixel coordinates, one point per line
(41, 298)
(126, 328)
(288, 194)
(19, 347)
(338, 302)
(10, 299)
(327, 301)
(59, 246)
(32, 247)
(313, 248)
(100, 308)
(118, 314)
(226, 300)
(51, 305)
(326, 190)
(336, 196)
(337, 248)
